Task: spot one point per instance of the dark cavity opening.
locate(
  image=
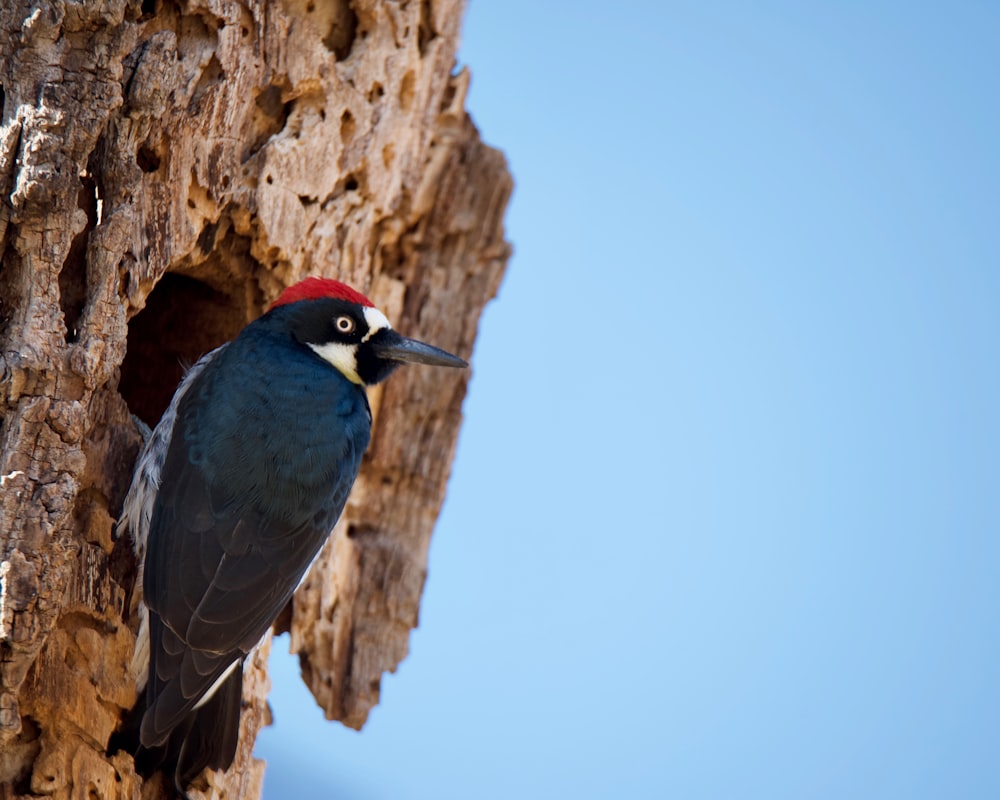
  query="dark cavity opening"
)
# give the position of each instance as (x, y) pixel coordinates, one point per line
(425, 31)
(73, 275)
(343, 27)
(183, 319)
(147, 158)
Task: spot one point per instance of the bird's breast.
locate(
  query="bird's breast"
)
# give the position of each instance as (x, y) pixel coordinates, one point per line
(289, 441)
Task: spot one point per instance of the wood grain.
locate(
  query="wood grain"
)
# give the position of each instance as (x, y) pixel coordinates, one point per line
(168, 168)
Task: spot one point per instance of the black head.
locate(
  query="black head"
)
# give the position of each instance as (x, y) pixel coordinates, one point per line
(344, 329)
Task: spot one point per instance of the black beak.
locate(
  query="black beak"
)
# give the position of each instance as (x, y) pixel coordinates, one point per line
(390, 345)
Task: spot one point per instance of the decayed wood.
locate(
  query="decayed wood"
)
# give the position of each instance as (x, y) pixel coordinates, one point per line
(235, 148)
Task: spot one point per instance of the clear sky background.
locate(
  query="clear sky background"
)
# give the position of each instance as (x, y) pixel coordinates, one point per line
(725, 516)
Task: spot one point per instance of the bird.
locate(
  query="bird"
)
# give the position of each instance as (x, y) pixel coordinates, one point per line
(233, 496)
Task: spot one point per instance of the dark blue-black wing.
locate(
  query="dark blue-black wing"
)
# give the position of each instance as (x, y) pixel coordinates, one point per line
(213, 587)
(246, 500)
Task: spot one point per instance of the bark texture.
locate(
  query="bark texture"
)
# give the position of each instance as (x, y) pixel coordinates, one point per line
(167, 168)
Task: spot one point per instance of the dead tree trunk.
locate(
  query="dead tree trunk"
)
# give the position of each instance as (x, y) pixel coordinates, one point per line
(167, 167)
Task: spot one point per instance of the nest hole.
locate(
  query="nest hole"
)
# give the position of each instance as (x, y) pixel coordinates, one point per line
(183, 319)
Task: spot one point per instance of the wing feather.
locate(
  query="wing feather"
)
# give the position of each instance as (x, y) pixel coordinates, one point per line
(230, 539)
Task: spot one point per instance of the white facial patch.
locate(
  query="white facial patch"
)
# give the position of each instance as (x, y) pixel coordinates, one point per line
(342, 356)
(376, 322)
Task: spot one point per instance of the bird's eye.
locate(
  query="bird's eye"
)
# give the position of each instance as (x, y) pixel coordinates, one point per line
(345, 324)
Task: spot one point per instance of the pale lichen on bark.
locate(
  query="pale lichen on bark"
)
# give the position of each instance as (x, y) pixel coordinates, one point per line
(235, 148)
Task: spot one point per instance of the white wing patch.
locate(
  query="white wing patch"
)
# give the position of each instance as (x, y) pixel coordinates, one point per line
(138, 507)
(222, 678)
(138, 510)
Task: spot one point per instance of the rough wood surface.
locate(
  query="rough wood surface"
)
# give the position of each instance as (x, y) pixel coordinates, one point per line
(167, 167)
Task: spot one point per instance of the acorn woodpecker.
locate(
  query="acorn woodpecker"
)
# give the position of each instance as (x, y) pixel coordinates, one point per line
(233, 497)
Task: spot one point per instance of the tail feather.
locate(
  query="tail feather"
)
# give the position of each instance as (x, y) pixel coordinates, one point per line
(213, 732)
(207, 737)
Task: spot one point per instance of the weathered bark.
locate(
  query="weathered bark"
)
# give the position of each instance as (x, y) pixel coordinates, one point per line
(167, 168)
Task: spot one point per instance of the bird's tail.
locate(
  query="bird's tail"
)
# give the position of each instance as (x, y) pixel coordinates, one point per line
(206, 738)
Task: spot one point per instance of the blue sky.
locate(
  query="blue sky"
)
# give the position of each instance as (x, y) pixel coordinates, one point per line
(724, 517)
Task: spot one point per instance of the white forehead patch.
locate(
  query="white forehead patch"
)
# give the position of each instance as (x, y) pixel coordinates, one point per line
(341, 356)
(376, 322)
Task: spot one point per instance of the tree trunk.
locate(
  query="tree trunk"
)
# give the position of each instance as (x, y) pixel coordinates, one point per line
(169, 166)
